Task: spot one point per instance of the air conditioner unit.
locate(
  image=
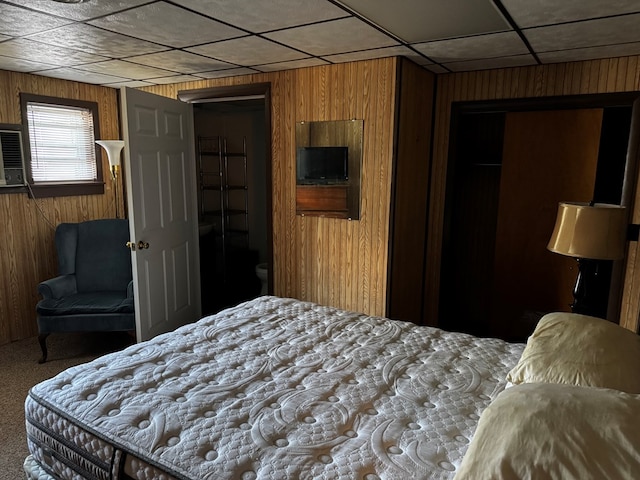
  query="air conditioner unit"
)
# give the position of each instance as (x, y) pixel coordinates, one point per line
(11, 158)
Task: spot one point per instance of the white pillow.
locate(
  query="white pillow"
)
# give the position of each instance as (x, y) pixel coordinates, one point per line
(580, 350)
(552, 431)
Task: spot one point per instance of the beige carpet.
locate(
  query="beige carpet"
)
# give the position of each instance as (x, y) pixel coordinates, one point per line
(20, 370)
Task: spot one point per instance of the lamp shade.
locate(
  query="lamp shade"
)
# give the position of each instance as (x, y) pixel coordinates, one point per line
(113, 148)
(596, 231)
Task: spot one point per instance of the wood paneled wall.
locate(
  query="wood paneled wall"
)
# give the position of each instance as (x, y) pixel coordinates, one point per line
(410, 193)
(332, 261)
(595, 76)
(27, 225)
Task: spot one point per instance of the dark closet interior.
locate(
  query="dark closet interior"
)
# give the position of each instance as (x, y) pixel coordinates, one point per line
(510, 163)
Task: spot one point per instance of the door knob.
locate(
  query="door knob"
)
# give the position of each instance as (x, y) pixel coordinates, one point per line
(140, 245)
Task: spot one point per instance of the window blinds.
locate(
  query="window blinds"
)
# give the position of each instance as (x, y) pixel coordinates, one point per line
(62, 143)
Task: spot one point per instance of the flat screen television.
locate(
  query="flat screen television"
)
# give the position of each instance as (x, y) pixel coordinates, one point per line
(322, 165)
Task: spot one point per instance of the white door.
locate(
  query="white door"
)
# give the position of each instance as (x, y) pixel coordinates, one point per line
(159, 161)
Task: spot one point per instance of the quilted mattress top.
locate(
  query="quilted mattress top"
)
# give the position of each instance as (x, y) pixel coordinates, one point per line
(277, 388)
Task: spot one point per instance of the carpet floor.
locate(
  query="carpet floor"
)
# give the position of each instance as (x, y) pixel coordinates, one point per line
(19, 371)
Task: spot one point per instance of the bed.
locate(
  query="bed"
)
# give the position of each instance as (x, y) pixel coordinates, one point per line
(274, 388)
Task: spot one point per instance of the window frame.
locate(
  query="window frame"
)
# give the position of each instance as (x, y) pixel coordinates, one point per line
(59, 189)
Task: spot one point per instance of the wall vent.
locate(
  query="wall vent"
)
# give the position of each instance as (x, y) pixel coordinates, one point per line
(11, 158)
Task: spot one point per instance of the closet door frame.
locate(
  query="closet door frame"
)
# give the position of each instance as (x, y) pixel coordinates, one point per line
(624, 299)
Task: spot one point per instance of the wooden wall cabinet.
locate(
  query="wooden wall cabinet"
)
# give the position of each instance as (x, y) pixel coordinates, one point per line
(336, 197)
(324, 200)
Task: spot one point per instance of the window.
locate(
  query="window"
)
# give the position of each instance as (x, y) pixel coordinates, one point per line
(60, 146)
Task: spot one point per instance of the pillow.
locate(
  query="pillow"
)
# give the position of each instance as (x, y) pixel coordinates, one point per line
(580, 350)
(552, 431)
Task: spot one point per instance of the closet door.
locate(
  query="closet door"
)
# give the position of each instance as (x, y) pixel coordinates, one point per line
(548, 157)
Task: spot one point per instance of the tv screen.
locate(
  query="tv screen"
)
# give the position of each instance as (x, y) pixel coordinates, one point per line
(322, 165)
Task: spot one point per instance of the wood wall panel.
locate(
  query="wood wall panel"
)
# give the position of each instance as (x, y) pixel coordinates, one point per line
(332, 261)
(27, 225)
(594, 76)
(410, 192)
(535, 176)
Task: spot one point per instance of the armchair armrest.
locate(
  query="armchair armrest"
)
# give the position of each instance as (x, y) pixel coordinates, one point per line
(58, 287)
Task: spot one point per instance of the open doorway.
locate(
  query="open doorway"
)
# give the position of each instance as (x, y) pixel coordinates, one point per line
(232, 136)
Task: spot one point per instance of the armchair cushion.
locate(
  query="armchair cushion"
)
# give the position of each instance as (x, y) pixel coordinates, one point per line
(66, 239)
(58, 287)
(100, 240)
(86, 303)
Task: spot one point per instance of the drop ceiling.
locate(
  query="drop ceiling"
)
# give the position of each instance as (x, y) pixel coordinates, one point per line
(141, 42)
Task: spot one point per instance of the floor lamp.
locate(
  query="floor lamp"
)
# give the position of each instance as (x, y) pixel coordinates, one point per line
(589, 232)
(113, 149)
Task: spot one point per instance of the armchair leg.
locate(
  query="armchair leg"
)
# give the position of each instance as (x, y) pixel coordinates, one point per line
(42, 338)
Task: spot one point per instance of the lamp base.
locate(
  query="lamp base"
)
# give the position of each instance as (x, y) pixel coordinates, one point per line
(591, 291)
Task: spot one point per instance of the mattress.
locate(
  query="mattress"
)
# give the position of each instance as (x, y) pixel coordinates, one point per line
(274, 388)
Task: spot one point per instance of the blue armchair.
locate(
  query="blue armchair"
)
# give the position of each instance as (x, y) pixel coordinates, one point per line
(94, 287)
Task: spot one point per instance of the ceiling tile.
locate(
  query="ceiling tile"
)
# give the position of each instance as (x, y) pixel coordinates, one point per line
(484, 64)
(469, 48)
(335, 36)
(69, 73)
(78, 11)
(378, 53)
(175, 79)
(20, 65)
(436, 68)
(191, 37)
(305, 62)
(180, 61)
(232, 72)
(546, 12)
(247, 51)
(39, 52)
(167, 25)
(590, 33)
(131, 84)
(87, 38)
(420, 20)
(259, 17)
(126, 69)
(18, 21)
(576, 54)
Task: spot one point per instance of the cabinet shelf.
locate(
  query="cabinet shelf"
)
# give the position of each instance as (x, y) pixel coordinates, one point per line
(232, 211)
(211, 213)
(229, 211)
(231, 232)
(237, 231)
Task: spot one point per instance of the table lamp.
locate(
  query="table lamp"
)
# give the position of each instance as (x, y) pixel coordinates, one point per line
(589, 232)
